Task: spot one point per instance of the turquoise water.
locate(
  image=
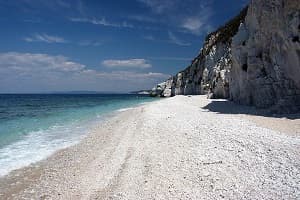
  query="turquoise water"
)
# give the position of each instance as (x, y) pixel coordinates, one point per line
(33, 126)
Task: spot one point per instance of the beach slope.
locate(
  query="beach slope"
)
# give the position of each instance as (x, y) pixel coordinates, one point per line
(176, 148)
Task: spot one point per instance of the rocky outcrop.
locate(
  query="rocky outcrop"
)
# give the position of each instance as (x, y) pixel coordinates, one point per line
(254, 59)
(163, 89)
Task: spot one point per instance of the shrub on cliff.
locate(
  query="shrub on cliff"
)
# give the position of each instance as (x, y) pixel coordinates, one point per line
(224, 33)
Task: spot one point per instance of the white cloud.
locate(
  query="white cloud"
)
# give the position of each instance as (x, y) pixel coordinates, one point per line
(175, 40)
(90, 43)
(36, 63)
(45, 38)
(132, 76)
(102, 22)
(26, 72)
(143, 18)
(192, 24)
(191, 16)
(63, 3)
(131, 63)
(172, 39)
(197, 24)
(159, 6)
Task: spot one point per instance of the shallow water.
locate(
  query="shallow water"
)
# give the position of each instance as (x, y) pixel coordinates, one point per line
(32, 126)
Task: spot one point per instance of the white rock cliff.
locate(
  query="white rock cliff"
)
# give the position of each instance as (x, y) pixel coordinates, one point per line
(266, 56)
(254, 59)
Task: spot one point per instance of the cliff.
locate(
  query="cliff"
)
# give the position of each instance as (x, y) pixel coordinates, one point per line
(266, 56)
(254, 59)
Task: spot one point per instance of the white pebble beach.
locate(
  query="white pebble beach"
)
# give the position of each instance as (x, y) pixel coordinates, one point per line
(185, 147)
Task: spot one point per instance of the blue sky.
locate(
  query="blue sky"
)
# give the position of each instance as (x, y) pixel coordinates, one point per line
(102, 45)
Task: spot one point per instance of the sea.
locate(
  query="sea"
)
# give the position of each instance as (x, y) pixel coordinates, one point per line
(34, 126)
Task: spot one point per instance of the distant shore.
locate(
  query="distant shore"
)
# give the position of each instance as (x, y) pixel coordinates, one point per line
(185, 147)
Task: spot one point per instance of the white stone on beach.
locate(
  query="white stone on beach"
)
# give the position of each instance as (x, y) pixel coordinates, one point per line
(175, 148)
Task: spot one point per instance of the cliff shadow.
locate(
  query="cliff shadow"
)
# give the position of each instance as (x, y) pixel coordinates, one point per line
(229, 107)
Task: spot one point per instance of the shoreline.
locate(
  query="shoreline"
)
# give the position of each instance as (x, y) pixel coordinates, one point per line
(74, 133)
(19, 179)
(159, 150)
